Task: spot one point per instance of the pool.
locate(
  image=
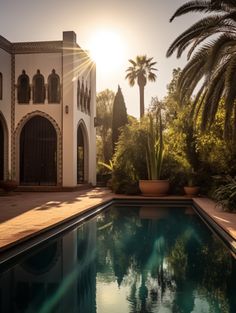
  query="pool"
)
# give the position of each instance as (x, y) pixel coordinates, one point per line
(127, 259)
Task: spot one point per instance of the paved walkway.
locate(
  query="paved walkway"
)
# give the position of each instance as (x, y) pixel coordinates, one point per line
(24, 214)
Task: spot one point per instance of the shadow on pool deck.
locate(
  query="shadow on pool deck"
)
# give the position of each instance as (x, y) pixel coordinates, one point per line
(15, 204)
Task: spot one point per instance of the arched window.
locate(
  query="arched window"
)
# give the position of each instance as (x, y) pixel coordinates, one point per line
(86, 99)
(78, 94)
(0, 86)
(89, 101)
(82, 97)
(23, 88)
(53, 88)
(38, 88)
(80, 156)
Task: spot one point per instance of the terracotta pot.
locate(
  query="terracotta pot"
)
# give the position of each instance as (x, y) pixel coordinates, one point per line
(9, 185)
(154, 188)
(191, 191)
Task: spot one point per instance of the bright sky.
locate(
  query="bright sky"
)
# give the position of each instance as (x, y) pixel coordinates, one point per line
(141, 27)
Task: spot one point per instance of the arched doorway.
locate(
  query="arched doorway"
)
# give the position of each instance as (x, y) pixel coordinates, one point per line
(38, 152)
(1, 151)
(82, 155)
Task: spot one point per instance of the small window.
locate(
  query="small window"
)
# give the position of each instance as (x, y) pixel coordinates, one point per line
(38, 88)
(23, 88)
(0, 86)
(54, 93)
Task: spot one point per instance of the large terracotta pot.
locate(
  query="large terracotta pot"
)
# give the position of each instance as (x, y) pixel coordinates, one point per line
(154, 188)
(191, 190)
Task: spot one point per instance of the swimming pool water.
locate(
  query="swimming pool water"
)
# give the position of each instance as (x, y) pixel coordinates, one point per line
(143, 259)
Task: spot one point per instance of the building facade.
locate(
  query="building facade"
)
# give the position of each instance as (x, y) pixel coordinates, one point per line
(47, 113)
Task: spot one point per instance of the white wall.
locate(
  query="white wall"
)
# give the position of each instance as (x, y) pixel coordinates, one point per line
(69, 142)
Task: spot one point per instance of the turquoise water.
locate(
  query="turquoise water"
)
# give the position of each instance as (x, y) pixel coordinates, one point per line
(126, 260)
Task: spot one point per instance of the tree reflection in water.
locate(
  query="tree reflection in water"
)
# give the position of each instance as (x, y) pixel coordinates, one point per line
(169, 261)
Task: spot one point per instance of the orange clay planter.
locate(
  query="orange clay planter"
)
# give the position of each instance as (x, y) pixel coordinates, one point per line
(154, 188)
(191, 190)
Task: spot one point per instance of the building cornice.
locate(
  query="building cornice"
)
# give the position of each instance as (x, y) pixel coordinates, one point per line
(5, 44)
(37, 47)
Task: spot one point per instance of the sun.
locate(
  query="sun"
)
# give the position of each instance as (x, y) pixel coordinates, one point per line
(107, 50)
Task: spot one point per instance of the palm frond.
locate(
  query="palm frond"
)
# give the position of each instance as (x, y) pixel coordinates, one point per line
(204, 28)
(191, 6)
(219, 50)
(204, 6)
(132, 62)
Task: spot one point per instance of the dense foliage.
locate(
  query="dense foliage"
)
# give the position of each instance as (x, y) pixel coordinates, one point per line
(191, 156)
(129, 159)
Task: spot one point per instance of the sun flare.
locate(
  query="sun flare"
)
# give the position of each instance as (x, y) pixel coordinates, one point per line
(107, 50)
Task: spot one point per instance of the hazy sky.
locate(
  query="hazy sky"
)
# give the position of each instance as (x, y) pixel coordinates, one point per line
(143, 26)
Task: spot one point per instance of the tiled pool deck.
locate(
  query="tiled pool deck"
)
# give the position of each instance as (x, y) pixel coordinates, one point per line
(22, 215)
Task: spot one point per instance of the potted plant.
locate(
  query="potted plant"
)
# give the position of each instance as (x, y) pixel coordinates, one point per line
(192, 188)
(154, 186)
(9, 184)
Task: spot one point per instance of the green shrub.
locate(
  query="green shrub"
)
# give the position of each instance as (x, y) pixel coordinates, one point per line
(129, 159)
(225, 194)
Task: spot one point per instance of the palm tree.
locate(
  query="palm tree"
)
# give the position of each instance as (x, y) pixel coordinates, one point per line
(141, 70)
(213, 64)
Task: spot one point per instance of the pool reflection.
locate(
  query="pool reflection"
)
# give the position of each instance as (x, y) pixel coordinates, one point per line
(136, 260)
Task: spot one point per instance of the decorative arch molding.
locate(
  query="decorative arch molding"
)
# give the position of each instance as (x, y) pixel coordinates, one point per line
(16, 143)
(82, 126)
(5, 145)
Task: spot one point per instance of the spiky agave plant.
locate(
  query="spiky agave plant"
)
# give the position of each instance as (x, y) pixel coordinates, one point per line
(109, 166)
(154, 147)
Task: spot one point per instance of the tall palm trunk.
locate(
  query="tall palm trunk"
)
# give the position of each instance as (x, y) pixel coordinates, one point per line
(141, 99)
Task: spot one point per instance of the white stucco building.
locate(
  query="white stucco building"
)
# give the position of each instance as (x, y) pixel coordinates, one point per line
(47, 112)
